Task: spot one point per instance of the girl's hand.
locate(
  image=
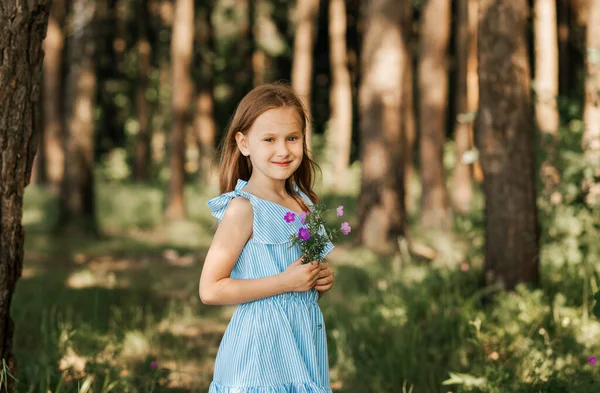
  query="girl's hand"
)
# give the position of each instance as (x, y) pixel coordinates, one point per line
(299, 277)
(326, 278)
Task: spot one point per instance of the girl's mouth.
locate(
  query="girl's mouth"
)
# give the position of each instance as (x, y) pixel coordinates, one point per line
(282, 164)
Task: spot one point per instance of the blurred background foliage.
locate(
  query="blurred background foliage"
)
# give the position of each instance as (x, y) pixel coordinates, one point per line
(116, 307)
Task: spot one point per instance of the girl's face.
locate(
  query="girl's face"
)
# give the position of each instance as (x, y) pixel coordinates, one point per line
(274, 143)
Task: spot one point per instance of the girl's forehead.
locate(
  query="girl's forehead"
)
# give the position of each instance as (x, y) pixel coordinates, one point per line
(278, 120)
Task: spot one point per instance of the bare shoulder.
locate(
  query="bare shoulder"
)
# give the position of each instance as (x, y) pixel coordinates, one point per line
(239, 214)
(239, 208)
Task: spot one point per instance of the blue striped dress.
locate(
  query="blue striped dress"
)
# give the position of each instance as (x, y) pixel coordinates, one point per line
(276, 344)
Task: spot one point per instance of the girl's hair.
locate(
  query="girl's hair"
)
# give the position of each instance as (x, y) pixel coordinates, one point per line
(233, 165)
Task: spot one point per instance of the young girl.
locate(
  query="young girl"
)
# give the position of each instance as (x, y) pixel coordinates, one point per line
(275, 342)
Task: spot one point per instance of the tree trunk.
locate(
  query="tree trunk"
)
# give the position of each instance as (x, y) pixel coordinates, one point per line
(181, 54)
(563, 12)
(77, 188)
(546, 67)
(381, 208)
(340, 124)
(54, 155)
(302, 66)
(473, 80)
(22, 31)
(433, 87)
(462, 190)
(591, 113)
(546, 87)
(142, 144)
(204, 120)
(505, 139)
(409, 128)
(259, 57)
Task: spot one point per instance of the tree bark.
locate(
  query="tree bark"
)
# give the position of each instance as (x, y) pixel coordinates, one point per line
(505, 139)
(546, 67)
(204, 121)
(54, 156)
(462, 190)
(473, 80)
(546, 87)
(381, 208)
(591, 113)
(433, 87)
(22, 30)
(563, 11)
(181, 55)
(142, 144)
(302, 66)
(409, 127)
(77, 204)
(340, 124)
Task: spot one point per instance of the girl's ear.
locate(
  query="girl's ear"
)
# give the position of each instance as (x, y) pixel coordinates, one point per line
(242, 143)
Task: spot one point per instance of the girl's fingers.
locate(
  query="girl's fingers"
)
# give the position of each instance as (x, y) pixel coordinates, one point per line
(322, 288)
(325, 273)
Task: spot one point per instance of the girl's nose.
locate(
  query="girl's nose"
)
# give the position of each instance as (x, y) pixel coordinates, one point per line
(282, 149)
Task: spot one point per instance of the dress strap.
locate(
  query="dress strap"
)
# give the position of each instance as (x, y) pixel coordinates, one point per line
(218, 205)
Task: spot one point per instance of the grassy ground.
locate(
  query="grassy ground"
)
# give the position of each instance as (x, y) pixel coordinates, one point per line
(121, 313)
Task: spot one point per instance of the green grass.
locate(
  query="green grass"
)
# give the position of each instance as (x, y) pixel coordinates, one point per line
(93, 314)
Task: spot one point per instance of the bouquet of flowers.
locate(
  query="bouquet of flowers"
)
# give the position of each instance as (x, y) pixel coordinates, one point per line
(313, 236)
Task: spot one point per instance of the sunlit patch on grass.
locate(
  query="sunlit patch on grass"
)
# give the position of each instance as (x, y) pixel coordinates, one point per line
(72, 364)
(30, 272)
(33, 216)
(136, 347)
(86, 278)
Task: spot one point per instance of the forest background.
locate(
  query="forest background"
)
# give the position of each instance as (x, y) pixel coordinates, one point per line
(462, 137)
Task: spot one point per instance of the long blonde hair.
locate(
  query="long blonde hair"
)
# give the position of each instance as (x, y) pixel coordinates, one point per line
(233, 165)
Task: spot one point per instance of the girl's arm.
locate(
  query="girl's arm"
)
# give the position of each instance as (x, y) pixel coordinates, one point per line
(216, 286)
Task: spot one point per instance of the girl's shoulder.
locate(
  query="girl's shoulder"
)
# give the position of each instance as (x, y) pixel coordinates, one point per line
(269, 225)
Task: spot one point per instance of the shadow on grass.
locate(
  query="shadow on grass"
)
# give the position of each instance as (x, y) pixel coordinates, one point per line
(106, 315)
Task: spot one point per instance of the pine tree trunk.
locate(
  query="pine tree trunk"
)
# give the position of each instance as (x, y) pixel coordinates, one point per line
(53, 148)
(546, 87)
(563, 12)
(546, 67)
(409, 128)
(340, 125)
(381, 202)
(204, 121)
(473, 81)
(77, 205)
(462, 190)
(433, 87)
(142, 144)
(302, 66)
(259, 57)
(591, 114)
(22, 30)
(181, 55)
(505, 139)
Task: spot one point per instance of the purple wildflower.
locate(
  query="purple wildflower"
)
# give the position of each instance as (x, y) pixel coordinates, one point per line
(340, 211)
(592, 360)
(304, 234)
(303, 217)
(154, 364)
(289, 217)
(346, 228)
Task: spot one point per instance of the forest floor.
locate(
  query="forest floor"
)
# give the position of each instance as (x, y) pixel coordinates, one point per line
(121, 312)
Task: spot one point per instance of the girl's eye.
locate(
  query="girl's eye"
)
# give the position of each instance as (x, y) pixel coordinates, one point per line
(292, 138)
(269, 140)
